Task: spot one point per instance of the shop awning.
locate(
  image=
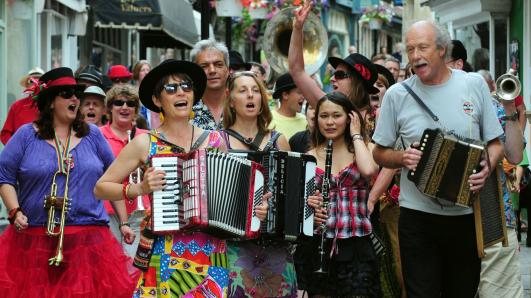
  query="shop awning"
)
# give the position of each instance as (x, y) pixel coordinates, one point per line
(174, 18)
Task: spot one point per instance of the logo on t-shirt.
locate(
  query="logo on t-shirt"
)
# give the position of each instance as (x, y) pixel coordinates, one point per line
(468, 107)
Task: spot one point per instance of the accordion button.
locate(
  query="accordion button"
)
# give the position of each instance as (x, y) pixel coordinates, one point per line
(421, 148)
(412, 173)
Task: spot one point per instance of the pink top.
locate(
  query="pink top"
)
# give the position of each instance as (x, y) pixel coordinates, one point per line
(117, 145)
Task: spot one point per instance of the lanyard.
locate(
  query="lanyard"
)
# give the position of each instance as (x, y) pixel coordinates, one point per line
(63, 153)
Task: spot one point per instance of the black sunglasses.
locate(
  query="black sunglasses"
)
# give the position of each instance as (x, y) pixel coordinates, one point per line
(184, 85)
(121, 80)
(121, 102)
(68, 93)
(340, 74)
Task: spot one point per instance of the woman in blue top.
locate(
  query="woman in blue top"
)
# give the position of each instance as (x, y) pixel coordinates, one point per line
(58, 144)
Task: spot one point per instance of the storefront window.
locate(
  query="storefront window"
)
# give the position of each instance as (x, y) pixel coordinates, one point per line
(475, 38)
(57, 50)
(500, 46)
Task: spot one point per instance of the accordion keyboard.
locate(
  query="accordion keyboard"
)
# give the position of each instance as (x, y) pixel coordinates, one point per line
(167, 216)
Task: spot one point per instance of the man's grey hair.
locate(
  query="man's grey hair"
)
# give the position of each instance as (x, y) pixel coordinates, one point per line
(443, 39)
(209, 44)
(389, 58)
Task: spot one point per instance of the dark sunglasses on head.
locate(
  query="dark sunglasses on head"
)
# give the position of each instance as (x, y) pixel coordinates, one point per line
(121, 102)
(340, 74)
(121, 80)
(172, 87)
(68, 93)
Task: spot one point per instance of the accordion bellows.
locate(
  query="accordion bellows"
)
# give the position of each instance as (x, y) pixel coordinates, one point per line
(445, 167)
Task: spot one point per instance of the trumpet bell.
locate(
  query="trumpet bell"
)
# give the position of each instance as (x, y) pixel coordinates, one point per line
(277, 38)
(508, 86)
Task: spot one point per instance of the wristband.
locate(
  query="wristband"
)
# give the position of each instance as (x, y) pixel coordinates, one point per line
(125, 191)
(124, 224)
(13, 214)
(356, 136)
(512, 117)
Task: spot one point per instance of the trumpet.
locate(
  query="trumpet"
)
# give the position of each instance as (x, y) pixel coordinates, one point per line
(325, 192)
(135, 176)
(52, 203)
(508, 86)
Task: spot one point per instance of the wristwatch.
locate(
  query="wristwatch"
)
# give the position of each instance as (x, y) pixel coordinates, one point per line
(512, 117)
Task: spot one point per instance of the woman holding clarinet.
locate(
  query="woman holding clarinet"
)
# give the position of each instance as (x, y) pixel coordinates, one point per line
(349, 264)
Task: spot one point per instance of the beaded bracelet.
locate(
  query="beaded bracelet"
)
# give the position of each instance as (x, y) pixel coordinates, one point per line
(13, 214)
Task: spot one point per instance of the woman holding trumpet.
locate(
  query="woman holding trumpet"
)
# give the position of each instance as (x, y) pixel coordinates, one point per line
(55, 162)
(123, 107)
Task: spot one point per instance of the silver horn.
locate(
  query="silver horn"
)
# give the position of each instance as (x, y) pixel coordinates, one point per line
(508, 86)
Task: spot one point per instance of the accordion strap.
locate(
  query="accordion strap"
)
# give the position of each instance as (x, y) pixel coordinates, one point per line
(420, 102)
(200, 140)
(254, 145)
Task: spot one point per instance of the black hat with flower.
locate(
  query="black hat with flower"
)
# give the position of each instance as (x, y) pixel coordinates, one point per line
(362, 67)
(51, 83)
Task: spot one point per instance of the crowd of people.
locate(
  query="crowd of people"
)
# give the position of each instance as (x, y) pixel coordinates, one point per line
(77, 180)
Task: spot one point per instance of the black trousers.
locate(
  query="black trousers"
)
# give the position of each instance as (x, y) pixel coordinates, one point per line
(439, 254)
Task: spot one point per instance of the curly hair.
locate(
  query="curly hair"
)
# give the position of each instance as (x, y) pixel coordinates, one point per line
(229, 115)
(44, 123)
(127, 91)
(340, 99)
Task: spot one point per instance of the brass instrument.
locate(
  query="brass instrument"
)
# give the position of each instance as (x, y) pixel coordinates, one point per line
(325, 192)
(136, 176)
(277, 38)
(51, 203)
(508, 86)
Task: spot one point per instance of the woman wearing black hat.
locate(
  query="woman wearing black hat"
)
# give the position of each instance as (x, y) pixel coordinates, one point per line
(354, 76)
(58, 156)
(199, 259)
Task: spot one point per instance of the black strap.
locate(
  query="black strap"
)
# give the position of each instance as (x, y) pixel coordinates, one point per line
(255, 145)
(271, 142)
(200, 140)
(420, 102)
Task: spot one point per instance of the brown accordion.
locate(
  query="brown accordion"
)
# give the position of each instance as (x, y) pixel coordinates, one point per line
(445, 166)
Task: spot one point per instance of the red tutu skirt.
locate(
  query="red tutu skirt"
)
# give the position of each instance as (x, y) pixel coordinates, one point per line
(94, 264)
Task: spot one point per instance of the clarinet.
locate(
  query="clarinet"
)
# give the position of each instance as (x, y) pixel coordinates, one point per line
(326, 198)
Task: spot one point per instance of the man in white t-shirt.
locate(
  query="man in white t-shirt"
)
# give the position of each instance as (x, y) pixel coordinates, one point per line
(287, 119)
(437, 238)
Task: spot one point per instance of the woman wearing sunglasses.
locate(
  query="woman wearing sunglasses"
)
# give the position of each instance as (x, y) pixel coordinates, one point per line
(176, 264)
(122, 107)
(255, 270)
(58, 152)
(353, 76)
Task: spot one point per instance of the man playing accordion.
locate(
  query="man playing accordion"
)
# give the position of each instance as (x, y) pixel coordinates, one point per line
(437, 238)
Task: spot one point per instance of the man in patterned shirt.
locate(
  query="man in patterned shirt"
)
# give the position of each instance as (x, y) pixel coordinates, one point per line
(213, 58)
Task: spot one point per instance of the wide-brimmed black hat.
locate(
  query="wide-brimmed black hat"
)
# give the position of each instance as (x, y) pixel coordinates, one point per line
(91, 74)
(236, 61)
(284, 83)
(362, 67)
(170, 66)
(386, 73)
(52, 82)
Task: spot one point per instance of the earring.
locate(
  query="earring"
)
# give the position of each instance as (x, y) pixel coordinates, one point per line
(161, 117)
(191, 115)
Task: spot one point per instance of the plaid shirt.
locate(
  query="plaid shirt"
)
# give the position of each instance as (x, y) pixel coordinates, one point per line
(204, 119)
(347, 208)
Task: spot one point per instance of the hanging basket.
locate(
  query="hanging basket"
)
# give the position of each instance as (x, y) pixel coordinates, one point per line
(375, 24)
(258, 13)
(229, 8)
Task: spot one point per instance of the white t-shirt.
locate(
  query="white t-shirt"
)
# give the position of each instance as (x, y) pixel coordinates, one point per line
(462, 104)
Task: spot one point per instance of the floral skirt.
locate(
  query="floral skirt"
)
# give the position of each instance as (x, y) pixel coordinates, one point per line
(260, 271)
(191, 265)
(94, 264)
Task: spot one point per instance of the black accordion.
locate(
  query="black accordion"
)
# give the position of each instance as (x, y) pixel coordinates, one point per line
(208, 191)
(445, 167)
(290, 178)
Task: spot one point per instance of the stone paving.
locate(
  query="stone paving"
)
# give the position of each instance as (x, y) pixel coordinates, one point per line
(525, 266)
